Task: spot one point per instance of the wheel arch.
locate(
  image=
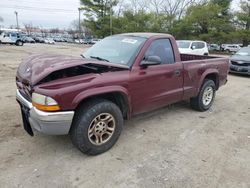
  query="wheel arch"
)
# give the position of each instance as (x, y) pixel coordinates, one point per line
(118, 96)
(211, 75)
(214, 77)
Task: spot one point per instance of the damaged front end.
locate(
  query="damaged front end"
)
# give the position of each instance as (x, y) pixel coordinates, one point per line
(84, 69)
(38, 80)
(44, 68)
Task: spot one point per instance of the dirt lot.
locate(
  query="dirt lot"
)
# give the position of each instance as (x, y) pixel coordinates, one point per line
(171, 147)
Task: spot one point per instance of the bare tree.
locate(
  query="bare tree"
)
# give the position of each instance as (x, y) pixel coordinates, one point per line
(120, 7)
(176, 8)
(156, 5)
(139, 5)
(54, 30)
(28, 27)
(74, 25)
(172, 8)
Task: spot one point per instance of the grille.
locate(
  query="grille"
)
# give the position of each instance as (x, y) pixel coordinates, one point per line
(240, 64)
(239, 70)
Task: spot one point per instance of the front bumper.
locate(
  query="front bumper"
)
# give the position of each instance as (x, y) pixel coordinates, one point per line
(240, 69)
(52, 123)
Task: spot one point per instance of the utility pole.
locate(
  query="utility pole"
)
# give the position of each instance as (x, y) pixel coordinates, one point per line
(111, 24)
(16, 13)
(79, 9)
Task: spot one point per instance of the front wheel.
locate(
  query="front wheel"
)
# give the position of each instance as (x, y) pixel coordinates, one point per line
(96, 127)
(19, 43)
(206, 96)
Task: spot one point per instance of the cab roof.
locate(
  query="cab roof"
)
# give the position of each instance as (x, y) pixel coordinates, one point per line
(146, 35)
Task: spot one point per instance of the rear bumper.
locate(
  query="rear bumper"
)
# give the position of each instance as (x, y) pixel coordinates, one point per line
(52, 123)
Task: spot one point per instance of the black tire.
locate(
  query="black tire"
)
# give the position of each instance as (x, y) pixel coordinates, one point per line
(83, 121)
(197, 103)
(19, 43)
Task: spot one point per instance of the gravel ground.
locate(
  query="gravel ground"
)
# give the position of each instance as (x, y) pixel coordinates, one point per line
(171, 147)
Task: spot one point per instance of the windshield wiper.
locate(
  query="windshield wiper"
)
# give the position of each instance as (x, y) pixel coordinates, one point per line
(99, 58)
(82, 56)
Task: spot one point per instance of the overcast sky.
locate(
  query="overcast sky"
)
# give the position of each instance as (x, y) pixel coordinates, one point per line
(45, 13)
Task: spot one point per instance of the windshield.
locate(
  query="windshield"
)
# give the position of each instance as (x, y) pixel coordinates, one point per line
(183, 44)
(244, 52)
(116, 49)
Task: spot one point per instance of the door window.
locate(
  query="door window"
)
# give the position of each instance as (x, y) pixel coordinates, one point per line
(163, 49)
(13, 35)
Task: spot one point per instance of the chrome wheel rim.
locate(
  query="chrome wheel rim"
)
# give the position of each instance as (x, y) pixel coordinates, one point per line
(208, 95)
(101, 129)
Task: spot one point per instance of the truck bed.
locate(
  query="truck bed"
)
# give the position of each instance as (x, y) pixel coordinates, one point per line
(197, 65)
(190, 57)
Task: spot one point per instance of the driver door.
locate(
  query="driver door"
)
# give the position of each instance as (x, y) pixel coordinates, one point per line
(157, 85)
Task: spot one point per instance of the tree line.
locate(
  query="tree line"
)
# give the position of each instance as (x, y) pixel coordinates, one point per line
(213, 21)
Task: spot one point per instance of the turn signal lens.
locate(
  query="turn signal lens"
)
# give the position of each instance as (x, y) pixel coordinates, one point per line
(46, 108)
(44, 103)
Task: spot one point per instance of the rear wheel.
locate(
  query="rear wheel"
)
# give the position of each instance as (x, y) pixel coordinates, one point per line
(206, 96)
(96, 127)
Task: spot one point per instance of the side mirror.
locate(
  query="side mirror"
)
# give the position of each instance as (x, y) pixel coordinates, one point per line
(151, 60)
(193, 47)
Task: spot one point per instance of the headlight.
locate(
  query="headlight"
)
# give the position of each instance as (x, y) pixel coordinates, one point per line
(44, 103)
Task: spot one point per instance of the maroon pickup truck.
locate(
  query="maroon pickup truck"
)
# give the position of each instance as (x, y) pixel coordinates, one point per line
(121, 76)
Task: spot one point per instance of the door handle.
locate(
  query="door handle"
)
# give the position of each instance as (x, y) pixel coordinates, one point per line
(177, 73)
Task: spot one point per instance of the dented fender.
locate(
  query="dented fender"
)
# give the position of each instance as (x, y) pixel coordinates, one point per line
(99, 91)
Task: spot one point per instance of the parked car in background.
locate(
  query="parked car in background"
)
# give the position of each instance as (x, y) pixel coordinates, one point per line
(57, 39)
(240, 62)
(70, 40)
(214, 47)
(39, 39)
(79, 41)
(232, 48)
(11, 38)
(94, 41)
(28, 40)
(192, 47)
(49, 41)
(119, 77)
(222, 46)
(88, 41)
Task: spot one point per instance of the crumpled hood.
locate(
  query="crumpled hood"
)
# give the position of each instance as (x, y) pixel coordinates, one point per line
(34, 68)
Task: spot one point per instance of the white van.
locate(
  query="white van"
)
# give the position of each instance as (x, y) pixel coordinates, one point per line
(11, 37)
(192, 47)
